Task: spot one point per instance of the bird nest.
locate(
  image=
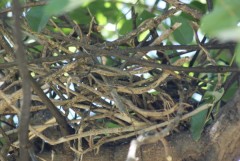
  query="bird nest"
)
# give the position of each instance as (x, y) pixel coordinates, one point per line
(105, 92)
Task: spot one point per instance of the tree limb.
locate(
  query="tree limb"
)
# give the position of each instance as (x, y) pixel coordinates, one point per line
(22, 66)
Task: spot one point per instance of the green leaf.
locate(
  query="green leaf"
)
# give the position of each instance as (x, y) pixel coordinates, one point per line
(198, 121)
(108, 9)
(57, 7)
(110, 61)
(224, 16)
(80, 15)
(195, 5)
(126, 27)
(36, 18)
(184, 34)
(199, 6)
(230, 92)
(197, 124)
(111, 125)
(225, 56)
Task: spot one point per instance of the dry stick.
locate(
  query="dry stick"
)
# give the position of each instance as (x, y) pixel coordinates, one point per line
(146, 25)
(28, 5)
(185, 8)
(115, 96)
(165, 34)
(65, 128)
(22, 65)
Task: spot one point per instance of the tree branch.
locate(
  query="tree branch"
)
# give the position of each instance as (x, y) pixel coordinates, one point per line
(28, 5)
(65, 128)
(22, 66)
(185, 8)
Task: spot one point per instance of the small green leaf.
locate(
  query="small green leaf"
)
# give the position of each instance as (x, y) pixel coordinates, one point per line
(110, 61)
(184, 34)
(225, 56)
(36, 18)
(111, 125)
(197, 124)
(230, 92)
(198, 121)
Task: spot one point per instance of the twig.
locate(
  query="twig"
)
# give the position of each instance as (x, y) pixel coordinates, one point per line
(117, 99)
(65, 128)
(28, 5)
(165, 34)
(185, 8)
(146, 25)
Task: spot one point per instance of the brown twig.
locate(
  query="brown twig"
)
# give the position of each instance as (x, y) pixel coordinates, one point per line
(65, 128)
(185, 8)
(28, 5)
(146, 25)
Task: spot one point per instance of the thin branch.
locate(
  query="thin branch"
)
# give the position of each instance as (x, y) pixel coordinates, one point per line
(146, 25)
(185, 8)
(28, 5)
(22, 66)
(65, 128)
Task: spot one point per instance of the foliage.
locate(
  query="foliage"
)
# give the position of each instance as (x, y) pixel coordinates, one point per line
(117, 68)
(198, 121)
(226, 30)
